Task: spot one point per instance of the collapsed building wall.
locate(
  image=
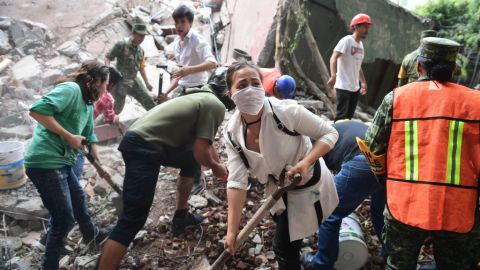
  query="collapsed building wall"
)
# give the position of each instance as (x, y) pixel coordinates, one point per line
(395, 33)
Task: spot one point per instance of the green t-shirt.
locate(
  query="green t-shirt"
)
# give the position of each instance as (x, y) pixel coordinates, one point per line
(65, 103)
(178, 122)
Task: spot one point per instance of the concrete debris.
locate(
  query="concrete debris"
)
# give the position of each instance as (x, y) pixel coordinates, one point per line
(71, 68)
(28, 71)
(197, 201)
(29, 210)
(141, 234)
(20, 132)
(13, 243)
(5, 23)
(5, 46)
(50, 76)
(27, 35)
(58, 62)
(85, 262)
(19, 263)
(257, 239)
(212, 197)
(71, 47)
(117, 202)
(31, 238)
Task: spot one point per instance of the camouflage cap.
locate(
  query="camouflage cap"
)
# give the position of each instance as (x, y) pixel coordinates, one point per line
(440, 49)
(428, 33)
(140, 28)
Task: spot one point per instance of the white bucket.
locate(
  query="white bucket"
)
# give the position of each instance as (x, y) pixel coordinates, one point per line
(12, 170)
(353, 252)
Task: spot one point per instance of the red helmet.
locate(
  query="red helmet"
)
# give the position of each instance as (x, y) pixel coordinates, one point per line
(359, 19)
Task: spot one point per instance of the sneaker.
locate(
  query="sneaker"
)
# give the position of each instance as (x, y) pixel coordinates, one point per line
(180, 224)
(198, 185)
(40, 245)
(307, 260)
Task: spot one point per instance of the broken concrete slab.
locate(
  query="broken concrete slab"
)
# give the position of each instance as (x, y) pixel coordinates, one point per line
(197, 201)
(27, 35)
(29, 210)
(149, 47)
(71, 47)
(71, 68)
(50, 76)
(13, 243)
(28, 71)
(58, 62)
(5, 46)
(8, 202)
(31, 238)
(85, 262)
(5, 23)
(19, 263)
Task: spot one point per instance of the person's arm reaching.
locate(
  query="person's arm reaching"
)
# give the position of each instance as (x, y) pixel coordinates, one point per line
(236, 200)
(206, 155)
(49, 122)
(144, 76)
(186, 70)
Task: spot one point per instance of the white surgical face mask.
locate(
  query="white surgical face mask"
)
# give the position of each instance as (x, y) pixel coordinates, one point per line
(249, 100)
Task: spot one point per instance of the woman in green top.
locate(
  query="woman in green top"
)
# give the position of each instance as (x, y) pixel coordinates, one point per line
(65, 118)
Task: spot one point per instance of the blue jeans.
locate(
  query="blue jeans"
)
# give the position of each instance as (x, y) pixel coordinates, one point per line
(65, 200)
(77, 170)
(354, 183)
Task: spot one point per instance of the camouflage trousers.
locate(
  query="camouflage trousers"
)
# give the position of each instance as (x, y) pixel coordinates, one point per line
(134, 88)
(451, 250)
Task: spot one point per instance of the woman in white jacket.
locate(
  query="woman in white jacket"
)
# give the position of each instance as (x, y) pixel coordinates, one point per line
(262, 138)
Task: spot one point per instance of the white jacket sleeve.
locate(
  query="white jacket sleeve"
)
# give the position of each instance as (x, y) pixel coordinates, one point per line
(311, 125)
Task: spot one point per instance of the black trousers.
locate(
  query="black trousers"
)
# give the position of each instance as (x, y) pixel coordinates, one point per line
(346, 104)
(288, 253)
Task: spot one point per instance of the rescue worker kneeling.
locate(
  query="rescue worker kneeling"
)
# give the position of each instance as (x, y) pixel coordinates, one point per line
(429, 131)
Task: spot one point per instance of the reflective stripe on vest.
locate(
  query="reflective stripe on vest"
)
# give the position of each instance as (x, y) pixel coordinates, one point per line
(411, 150)
(433, 156)
(454, 152)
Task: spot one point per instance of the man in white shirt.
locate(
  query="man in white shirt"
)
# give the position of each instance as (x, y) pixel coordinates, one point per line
(346, 68)
(192, 53)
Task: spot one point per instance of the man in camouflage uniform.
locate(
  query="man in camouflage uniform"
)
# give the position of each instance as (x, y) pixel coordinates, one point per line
(130, 60)
(453, 250)
(408, 68)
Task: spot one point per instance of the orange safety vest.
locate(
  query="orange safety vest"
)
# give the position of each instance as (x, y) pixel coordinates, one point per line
(270, 77)
(433, 156)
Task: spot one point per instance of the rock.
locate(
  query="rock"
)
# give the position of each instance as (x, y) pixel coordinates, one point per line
(117, 202)
(251, 252)
(198, 201)
(22, 93)
(85, 262)
(71, 68)
(258, 249)
(28, 71)
(261, 259)
(270, 255)
(257, 239)
(3, 85)
(242, 265)
(21, 132)
(58, 62)
(70, 48)
(13, 243)
(117, 179)
(30, 209)
(15, 230)
(7, 202)
(101, 187)
(31, 238)
(141, 234)
(13, 120)
(27, 35)
(212, 197)
(5, 46)
(19, 263)
(5, 22)
(50, 76)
